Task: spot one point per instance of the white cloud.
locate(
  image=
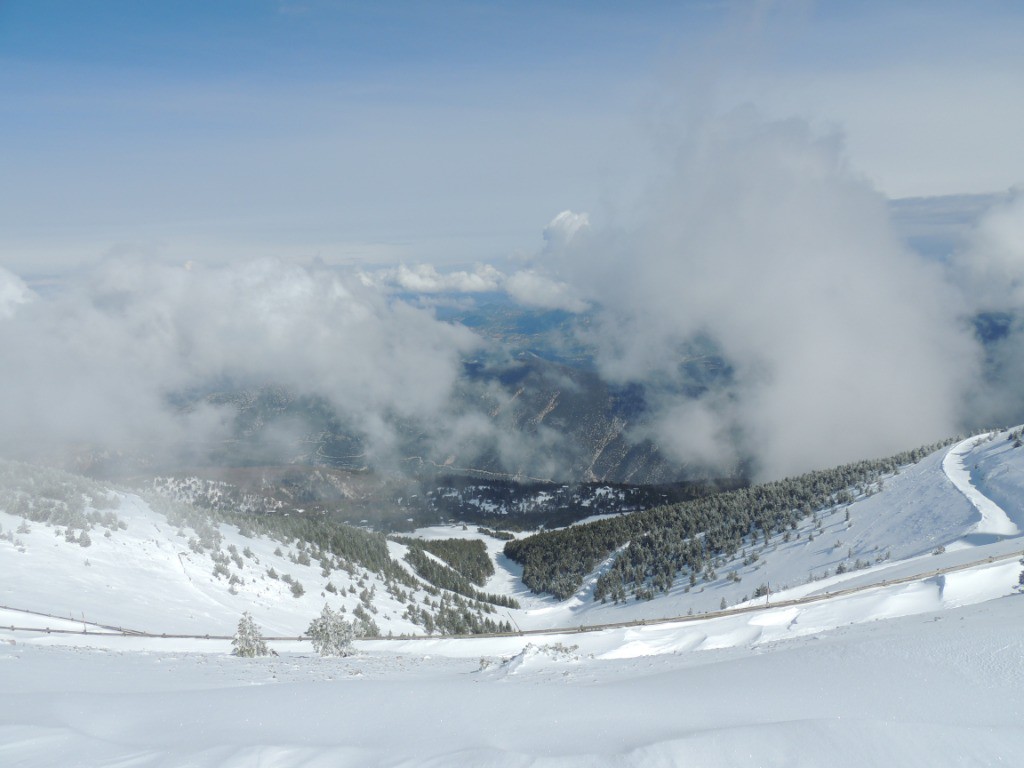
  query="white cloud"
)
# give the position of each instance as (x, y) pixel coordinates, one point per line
(695, 432)
(563, 228)
(529, 287)
(425, 278)
(992, 266)
(990, 272)
(915, 130)
(761, 242)
(13, 292)
(96, 362)
(536, 290)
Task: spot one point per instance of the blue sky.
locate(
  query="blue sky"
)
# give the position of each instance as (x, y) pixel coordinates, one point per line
(454, 131)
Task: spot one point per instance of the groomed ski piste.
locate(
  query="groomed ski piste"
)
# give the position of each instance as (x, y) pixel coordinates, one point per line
(916, 659)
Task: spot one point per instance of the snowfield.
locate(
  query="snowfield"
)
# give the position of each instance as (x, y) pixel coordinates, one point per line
(915, 660)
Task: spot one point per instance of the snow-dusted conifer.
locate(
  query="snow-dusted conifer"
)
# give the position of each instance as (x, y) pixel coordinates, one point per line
(330, 634)
(248, 639)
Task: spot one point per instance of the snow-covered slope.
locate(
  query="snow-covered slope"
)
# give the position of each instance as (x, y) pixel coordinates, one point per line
(879, 667)
(145, 576)
(918, 520)
(938, 689)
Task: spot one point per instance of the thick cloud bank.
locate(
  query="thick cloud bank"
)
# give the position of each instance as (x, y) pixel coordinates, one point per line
(761, 246)
(101, 362)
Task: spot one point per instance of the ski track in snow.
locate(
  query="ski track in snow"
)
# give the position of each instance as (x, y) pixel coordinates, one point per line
(994, 520)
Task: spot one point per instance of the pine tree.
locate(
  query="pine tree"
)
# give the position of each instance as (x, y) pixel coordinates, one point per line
(248, 641)
(330, 634)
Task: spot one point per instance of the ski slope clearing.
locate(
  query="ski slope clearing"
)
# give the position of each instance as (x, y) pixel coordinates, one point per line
(873, 670)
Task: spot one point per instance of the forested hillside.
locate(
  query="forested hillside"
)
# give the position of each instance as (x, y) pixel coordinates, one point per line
(689, 538)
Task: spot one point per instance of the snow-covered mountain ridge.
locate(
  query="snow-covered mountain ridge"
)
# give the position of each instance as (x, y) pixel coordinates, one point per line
(918, 672)
(153, 571)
